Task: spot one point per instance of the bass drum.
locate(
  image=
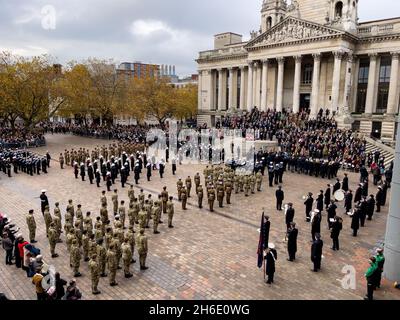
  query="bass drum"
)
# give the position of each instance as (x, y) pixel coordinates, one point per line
(339, 195)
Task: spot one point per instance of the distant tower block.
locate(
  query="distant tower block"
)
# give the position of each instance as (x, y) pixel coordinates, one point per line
(170, 70)
(166, 70)
(173, 71)
(162, 70)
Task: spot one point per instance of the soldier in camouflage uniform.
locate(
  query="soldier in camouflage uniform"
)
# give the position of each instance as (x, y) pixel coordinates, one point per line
(142, 249)
(76, 257)
(47, 219)
(136, 209)
(92, 245)
(147, 209)
(103, 199)
(85, 245)
(252, 180)
(122, 213)
(117, 248)
(114, 199)
(142, 218)
(94, 273)
(228, 191)
(170, 212)
(184, 198)
(101, 258)
(246, 186)
(127, 258)
(71, 210)
(164, 198)
(156, 210)
(179, 186)
(131, 239)
(112, 264)
(200, 195)
(188, 184)
(78, 232)
(30, 221)
(196, 181)
(70, 237)
(220, 194)
(108, 237)
(131, 194)
(88, 224)
(211, 197)
(141, 199)
(53, 237)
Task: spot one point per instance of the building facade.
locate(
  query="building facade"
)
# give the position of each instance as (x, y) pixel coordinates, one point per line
(309, 54)
(138, 70)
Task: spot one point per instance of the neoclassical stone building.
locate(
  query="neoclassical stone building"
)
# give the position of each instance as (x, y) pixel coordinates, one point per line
(307, 54)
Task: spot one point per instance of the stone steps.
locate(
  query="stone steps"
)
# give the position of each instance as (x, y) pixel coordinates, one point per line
(389, 157)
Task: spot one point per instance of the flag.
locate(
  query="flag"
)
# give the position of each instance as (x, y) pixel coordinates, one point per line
(260, 251)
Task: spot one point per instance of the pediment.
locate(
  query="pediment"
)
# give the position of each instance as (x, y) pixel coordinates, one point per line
(293, 29)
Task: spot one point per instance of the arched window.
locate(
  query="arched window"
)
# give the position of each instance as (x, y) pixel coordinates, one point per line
(269, 23)
(339, 9)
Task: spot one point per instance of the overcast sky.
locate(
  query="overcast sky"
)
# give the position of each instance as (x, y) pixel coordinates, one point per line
(152, 31)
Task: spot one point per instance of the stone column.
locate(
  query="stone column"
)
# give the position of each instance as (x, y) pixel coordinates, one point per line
(279, 91)
(336, 80)
(392, 239)
(296, 88)
(230, 98)
(369, 104)
(315, 85)
(394, 83)
(250, 87)
(211, 90)
(242, 89)
(264, 85)
(255, 84)
(355, 82)
(220, 89)
(199, 91)
(347, 82)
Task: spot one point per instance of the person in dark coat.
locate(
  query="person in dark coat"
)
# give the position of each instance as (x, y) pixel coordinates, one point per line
(327, 196)
(137, 174)
(161, 169)
(60, 284)
(348, 201)
(148, 171)
(320, 201)
(83, 173)
(309, 203)
(335, 232)
(358, 195)
(90, 173)
(379, 199)
(270, 258)
(280, 196)
(363, 211)
(345, 183)
(315, 224)
(370, 207)
(336, 186)
(355, 220)
(331, 213)
(316, 252)
(108, 181)
(289, 215)
(44, 201)
(292, 241)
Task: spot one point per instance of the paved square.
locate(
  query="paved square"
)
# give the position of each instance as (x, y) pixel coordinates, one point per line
(207, 255)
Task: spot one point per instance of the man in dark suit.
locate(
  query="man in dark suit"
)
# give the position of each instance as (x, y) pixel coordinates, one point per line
(320, 201)
(280, 196)
(292, 241)
(289, 215)
(335, 231)
(379, 199)
(309, 203)
(348, 200)
(345, 183)
(336, 187)
(270, 258)
(327, 196)
(315, 224)
(357, 196)
(370, 207)
(316, 252)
